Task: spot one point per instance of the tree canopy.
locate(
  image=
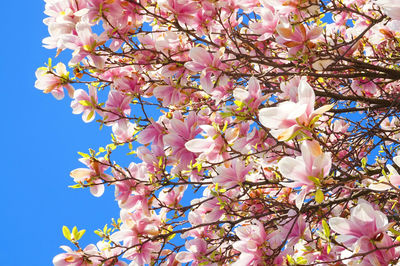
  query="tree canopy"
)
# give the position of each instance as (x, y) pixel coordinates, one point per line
(261, 132)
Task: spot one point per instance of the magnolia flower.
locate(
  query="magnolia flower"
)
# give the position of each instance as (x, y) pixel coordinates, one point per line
(298, 37)
(79, 257)
(84, 44)
(197, 249)
(390, 8)
(289, 117)
(94, 175)
(231, 176)
(54, 83)
(251, 95)
(252, 237)
(117, 106)
(85, 103)
(393, 178)
(207, 63)
(305, 170)
(364, 231)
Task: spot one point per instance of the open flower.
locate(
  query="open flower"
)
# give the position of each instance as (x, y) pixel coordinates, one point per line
(289, 117)
(390, 8)
(307, 170)
(85, 103)
(207, 63)
(364, 231)
(54, 83)
(393, 178)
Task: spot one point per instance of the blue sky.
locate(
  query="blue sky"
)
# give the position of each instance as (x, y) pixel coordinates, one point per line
(40, 139)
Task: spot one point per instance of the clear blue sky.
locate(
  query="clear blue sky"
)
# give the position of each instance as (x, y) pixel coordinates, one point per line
(40, 138)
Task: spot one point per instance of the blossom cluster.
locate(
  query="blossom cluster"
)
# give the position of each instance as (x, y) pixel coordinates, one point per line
(262, 132)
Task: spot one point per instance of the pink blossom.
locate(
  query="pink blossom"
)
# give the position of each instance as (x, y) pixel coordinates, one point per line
(93, 175)
(365, 229)
(169, 94)
(135, 226)
(303, 171)
(130, 192)
(289, 117)
(77, 258)
(124, 79)
(54, 82)
(267, 25)
(110, 252)
(97, 8)
(210, 147)
(63, 16)
(297, 38)
(392, 178)
(117, 106)
(179, 132)
(364, 87)
(84, 45)
(391, 8)
(207, 63)
(152, 133)
(184, 11)
(123, 130)
(233, 175)
(171, 196)
(197, 249)
(250, 245)
(294, 228)
(251, 96)
(84, 103)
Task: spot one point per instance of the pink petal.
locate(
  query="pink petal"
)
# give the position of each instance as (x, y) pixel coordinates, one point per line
(200, 55)
(340, 225)
(97, 190)
(200, 145)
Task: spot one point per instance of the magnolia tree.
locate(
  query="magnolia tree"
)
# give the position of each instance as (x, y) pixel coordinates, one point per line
(261, 132)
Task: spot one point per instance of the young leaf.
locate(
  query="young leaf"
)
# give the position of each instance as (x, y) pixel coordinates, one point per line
(66, 232)
(319, 196)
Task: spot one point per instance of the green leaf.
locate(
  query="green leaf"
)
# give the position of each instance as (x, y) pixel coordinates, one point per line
(76, 186)
(315, 180)
(225, 126)
(90, 115)
(301, 260)
(85, 103)
(325, 226)
(80, 234)
(84, 155)
(363, 162)
(319, 196)
(397, 233)
(66, 232)
(225, 115)
(314, 120)
(99, 233)
(171, 237)
(74, 232)
(290, 259)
